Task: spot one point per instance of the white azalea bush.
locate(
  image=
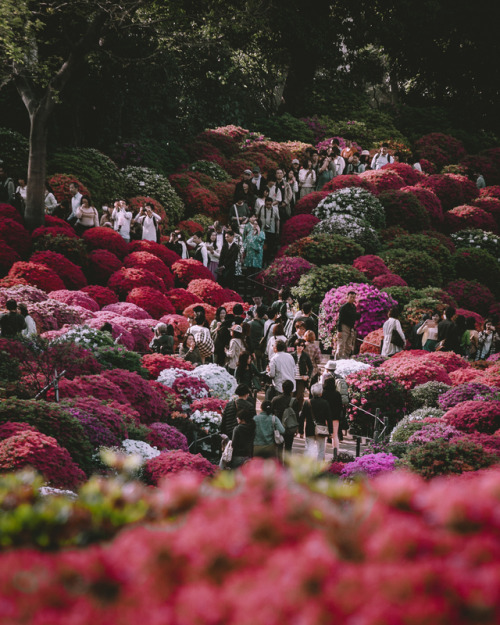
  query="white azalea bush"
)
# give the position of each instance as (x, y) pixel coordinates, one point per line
(355, 228)
(168, 376)
(222, 384)
(479, 239)
(346, 367)
(353, 202)
(142, 181)
(86, 337)
(208, 421)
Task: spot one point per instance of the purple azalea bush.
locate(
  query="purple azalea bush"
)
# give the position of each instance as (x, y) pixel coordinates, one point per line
(370, 465)
(466, 392)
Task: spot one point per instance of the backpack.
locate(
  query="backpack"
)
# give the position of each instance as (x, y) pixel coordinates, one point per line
(342, 388)
(289, 419)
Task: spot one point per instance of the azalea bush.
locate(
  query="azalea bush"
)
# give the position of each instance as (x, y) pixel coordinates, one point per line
(469, 217)
(75, 298)
(124, 280)
(102, 264)
(479, 239)
(221, 383)
(8, 257)
(475, 415)
(181, 299)
(313, 285)
(106, 239)
(65, 243)
(430, 245)
(429, 201)
(372, 304)
(472, 294)
(100, 294)
(54, 315)
(150, 262)
(325, 249)
(417, 268)
(406, 172)
(466, 392)
(354, 202)
(382, 180)
(369, 465)
(209, 311)
(110, 414)
(119, 357)
(359, 230)
(405, 210)
(440, 149)
(305, 205)
(428, 394)
(371, 389)
(166, 437)
(212, 404)
(285, 271)
(70, 274)
(160, 251)
(151, 300)
(371, 265)
(207, 291)
(297, 227)
(411, 371)
(388, 280)
(37, 275)
(189, 269)
(172, 462)
(473, 264)
(156, 363)
(448, 190)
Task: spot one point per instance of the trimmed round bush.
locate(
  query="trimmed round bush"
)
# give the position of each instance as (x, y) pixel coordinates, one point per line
(476, 264)
(354, 202)
(163, 253)
(356, 229)
(127, 309)
(172, 462)
(429, 201)
(417, 268)
(167, 437)
(106, 239)
(428, 394)
(181, 299)
(102, 264)
(325, 249)
(189, 269)
(313, 285)
(70, 274)
(370, 265)
(64, 243)
(101, 294)
(8, 257)
(151, 300)
(285, 271)
(440, 149)
(430, 245)
(38, 275)
(15, 236)
(124, 280)
(406, 172)
(145, 260)
(297, 227)
(382, 180)
(465, 392)
(472, 294)
(405, 210)
(475, 416)
(75, 298)
(387, 280)
(469, 217)
(308, 203)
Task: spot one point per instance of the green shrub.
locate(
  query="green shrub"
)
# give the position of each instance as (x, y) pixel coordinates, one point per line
(426, 395)
(417, 268)
(430, 246)
(284, 128)
(475, 264)
(325, 249)
(313, 285)
(402, 294)
(51, 419)
(14, 153)
(73, 249)
(117, 357)
(203, 220)
(158, 154)
(211, 169)
(94, 169)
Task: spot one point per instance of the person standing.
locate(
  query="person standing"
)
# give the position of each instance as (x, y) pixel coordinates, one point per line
(87, 216)
(200, 249)
(258, 181)
(382, 157)
(488, 341)
(269, 219)
(122, 219)
(149, 221)
(243, 438)
(307, 178)
(213, 252)
(282, 402)
(12, 323)
(447, 332)
(316, 411)
(30, 329)
(266, 423)
(253, 246)
(429, 330)
(239, 402)
(391, 326)
(50, 201)
(235, 348)
(346, 335)
(227, 261)
(303, 371)
(76, 200)
(281, 367)
(7, 187)
(334, 399)
(188, 350)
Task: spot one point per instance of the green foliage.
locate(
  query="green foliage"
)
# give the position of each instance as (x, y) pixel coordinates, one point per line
(94, 169)
(211, 169)
(164, 156)
(116, 357)
(476, 264)
(14, 153)
(402, 294)
(417, 268)
(313, 285)
(285, 128)
(144, 181)
(203, 220)
(430, 246)
(73, 249)
(426, 395)
(325, 249)
(49, 418)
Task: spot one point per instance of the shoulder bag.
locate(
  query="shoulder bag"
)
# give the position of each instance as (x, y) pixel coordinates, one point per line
(278, 436)
(319, 430)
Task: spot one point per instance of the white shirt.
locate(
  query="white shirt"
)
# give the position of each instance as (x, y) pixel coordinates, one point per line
(30, 329)
(379, 160)
(281, 368)
(202, 248)
(50, 203)
(148, 226)
(306, 180)
(76, 201)
(268, 218)
(388, 348)
(121, 219)
(22, 192)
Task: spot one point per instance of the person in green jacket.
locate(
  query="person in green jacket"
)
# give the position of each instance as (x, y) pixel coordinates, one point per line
(264, 445)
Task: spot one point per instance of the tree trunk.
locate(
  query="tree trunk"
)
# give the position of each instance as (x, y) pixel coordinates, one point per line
(37, 164)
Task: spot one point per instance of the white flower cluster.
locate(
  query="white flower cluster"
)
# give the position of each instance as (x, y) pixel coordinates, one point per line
(139, 448)
(209, 421)
(168, 376)
(352, 228)
(346, 367)
(87, 337)
(354, 202)
(480, 239)
(222, 384)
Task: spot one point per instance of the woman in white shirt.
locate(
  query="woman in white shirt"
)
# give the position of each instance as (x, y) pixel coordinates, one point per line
(278, 334)
(388, 347)
(307, 178)
(50, 201)
(430, 331)
(22, 188)
(213, 253)
(149, 221)
(30, 329)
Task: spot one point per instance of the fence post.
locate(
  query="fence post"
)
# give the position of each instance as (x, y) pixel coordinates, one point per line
(377, 426)
(358, 446)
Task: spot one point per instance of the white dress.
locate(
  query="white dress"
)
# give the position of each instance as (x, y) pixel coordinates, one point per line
(388, 348)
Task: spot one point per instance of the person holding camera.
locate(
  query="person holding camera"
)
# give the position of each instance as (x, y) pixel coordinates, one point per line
(122, 219)
(149, 221)
(269, 219)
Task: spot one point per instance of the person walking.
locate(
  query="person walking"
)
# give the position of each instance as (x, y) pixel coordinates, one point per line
(334, 399)
(239, 402)
(394, 337)
(266, 424)
(280, 406)
(303, 371)
(281, 367)
(316, 422)
(243, 438)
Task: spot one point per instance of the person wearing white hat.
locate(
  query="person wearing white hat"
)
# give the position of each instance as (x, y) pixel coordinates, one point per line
(329, 371)
(235, 348)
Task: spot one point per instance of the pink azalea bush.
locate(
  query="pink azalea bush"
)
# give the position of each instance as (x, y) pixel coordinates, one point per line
(411, 371)
(25, 294)
(429, 201)
(212, 404)
(8, 257)
(387, 280)
(343, 182)
(472, 294)
(475, 416)
(372, 342)
(308, 203)
(101, 294)
(370, 265)
(448, 190)
(167, 437)
(97, 386)
(469, 217)
(172, 462)
(372, 304)
(207, 291)
(127, 309)
(53, 315)
(285, 271)
(151, 300)
(406, 172)
(383, 180)
(465, 392)
(124, 280)
(75, 298)
(297, 227)
(440, 149)
(369, 465)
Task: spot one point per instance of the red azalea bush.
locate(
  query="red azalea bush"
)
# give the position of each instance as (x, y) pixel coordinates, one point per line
(7, 211)
(51, 221)
(490, 376)
(208, 291)
(101, 294)
(44, 454)
(106, 239)
(440, 149)
(404, 171)
(297, 227)
(209, 311)
(383, 180)
(229, 306)
(224, 192)
(469, 217)
(285, 271)
(97, 386)
(472, 294)
(118, 331)
(139, 394)
(448, 190)
(387, 280)
(343, 182)
(8, 257)
(48, 233)
(490, 191)
(181, 299)
(15, 236)
(449, 360)
(70, 274)
(171, 462)
(180, 323)
(124, 280)
(75, 298)
(102, 264)
(40, 276)
(469, 188)
(427, 166)
(370, 265)
(189, 269)
(127, 309)
(109, 413)
(308, 203)
(156, 363)
(196, 198)
(145, 260)
(163, 253)
(167, 437)
(60, 187)
(209, 403)
(411, 371)
(11, 428)
(405, 210)
(475, 416)
(189, 227)
(231, 297)
(429, 201)
(489, 204)
(151, 300)
(372, 342)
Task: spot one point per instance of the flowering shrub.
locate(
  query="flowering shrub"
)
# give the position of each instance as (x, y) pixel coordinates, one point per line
(412, 371)
(196, 198)
(345, 181)
(325, 249)
(102, 295)
(166, 437)
(70, 274)
(430, 245)
(119, 357)
(472, 264)
(469, 189)
(448, 190)
(469, 217)
(8, 257)
(60, 187)
(429, 201)
(224, 191)
(53, 315)
(465, 392)
(405, 210)
(382, 180)
(87, 337)
(127, 309)
(98, 434)
(98, 386)
(75, 298)
(160, 251)
(67, 244)
(369, 465)
(285, 271)
(189, 269)
(156, 363)
(352, 228)
(181, 299)
(212, 404)
(348, 366)
(475, 415)
(207, 291)
(106, 239)
(110, 414)
(372, 266)
(297, 227)
(44, 454)
(427, 394)
(353, 202)
(124, 280)
(314, 284)
(208, 424)
(305, 205)
(180, 323)
(140, 329)
(371, 389)
(151, 300)
(141, 181)
(440, 149)
(432, 432)
(229, 306)
(102, 265)
(372, 304)
(209, 311)
(38, 275)
(471, 294)
(417, 268)
(406, 172)
(188, 387)
(374, 360)
(25, 294)
(489, 204)
(388, 280)
(440, 457)
(210, 169)
(171, 462)
(150, 262)
(479, 239)
(9, 212)
(221, 383)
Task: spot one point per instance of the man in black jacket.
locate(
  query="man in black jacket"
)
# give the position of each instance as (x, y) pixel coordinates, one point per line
(346, 335)
(227, 261)
(241, 402)
(280, 403)
(11, 323)
(447, 332)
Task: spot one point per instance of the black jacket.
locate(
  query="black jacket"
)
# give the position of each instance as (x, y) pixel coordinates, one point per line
(243, 437)
(305, 364)
(229, 421)
(228, 257)
(316, 409)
